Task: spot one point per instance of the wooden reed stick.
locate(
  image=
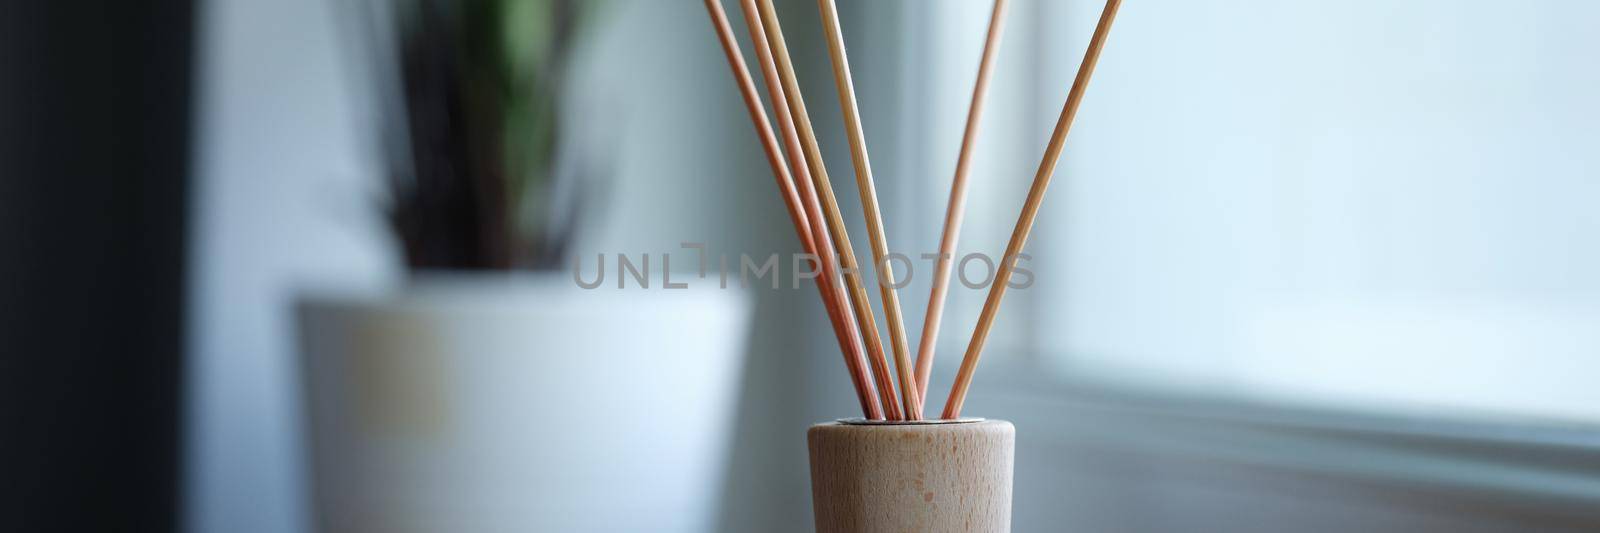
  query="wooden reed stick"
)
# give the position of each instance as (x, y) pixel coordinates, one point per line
(888, 296)
(1030, 210)
(956, 210)
(830, 206)
(856, 361)
(747, 89)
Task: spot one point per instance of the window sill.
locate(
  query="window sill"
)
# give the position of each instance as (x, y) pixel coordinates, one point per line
(1515, 468)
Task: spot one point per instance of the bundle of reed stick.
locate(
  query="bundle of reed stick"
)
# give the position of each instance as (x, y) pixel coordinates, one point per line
(802, 180)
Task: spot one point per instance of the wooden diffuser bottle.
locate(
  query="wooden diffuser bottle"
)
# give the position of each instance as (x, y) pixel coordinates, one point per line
(936, 475)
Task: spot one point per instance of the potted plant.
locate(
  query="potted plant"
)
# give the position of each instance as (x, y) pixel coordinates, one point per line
(489, 391)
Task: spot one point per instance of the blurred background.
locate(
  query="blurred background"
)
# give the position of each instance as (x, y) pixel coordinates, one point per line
(1312, 266)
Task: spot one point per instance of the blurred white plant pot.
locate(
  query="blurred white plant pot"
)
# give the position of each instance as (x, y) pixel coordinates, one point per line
(503, 403)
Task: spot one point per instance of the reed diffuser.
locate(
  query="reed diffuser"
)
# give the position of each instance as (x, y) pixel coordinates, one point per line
(890, 469)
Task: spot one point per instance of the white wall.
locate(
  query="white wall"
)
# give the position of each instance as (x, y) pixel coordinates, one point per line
(284, 201)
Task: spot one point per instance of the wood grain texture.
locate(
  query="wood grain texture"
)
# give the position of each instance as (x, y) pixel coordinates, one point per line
(955, 211)
(1030, 210)
(912, 477)
(910, 397)
(839, 311)
(848, 265)
(849, 343)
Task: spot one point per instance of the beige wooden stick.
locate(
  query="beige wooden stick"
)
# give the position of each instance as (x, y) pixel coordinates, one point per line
(1030, 210)
(830, 207)
(957, 207)
(856, 361)
(848, 343)
(890, 298)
